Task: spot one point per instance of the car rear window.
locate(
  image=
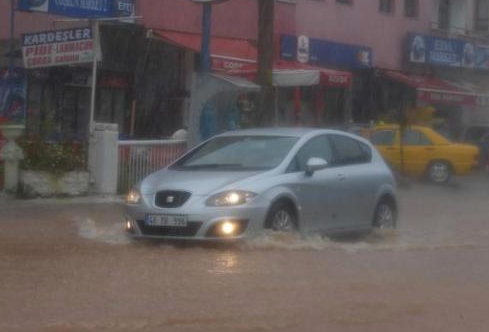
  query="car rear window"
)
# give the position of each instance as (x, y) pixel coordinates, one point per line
(383, 137)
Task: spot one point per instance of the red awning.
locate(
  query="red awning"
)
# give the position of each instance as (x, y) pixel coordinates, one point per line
(239, 57)
(221, 47)
(325, 76)
(434, 90)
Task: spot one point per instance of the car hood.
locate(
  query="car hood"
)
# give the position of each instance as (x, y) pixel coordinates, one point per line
(465, 147)
(198, 182)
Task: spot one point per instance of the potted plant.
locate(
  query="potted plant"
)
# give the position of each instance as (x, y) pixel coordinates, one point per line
(53, 169)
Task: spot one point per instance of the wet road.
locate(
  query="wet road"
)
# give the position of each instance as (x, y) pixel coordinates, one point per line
(69, 267)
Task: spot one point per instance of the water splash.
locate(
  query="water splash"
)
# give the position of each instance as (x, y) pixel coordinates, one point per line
(378, 240)
(113, 233)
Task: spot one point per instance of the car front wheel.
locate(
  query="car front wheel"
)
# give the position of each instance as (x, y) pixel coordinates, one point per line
(385, 215)
(282, 218)
(439, 172)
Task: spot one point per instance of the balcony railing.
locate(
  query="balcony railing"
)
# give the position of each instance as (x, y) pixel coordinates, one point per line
(449, 29)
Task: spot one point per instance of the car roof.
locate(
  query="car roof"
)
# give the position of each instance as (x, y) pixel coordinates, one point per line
(292, 132)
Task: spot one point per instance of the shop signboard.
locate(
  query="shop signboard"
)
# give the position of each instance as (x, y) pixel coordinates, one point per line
(59, 47)
(453, 98)
(450, 52)
(12, 95)
(325, 53)
(80, 8)
(482, 57)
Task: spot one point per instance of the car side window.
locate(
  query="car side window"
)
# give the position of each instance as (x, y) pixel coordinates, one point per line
(349, 151)
(383, 137)
(317, 147)
(416, 138)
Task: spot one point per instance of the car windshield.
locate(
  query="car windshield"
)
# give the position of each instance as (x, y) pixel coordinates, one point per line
(239, 153)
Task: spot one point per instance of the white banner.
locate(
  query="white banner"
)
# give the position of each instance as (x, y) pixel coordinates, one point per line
(59, 48)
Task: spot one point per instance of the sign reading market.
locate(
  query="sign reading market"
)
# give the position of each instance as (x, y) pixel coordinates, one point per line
(58, 48)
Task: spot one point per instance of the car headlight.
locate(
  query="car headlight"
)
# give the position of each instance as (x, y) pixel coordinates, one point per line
(133, 197)
(231, 198)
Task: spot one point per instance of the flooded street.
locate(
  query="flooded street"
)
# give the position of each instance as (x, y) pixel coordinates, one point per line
(69, 267)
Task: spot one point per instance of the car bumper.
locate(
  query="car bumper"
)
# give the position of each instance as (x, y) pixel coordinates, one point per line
(202, 221)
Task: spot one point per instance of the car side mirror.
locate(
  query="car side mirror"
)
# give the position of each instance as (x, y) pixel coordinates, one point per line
(314, 165)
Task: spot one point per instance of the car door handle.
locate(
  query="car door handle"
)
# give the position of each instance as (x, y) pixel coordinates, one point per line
(341, 177)
(429, 149)
(390, 148)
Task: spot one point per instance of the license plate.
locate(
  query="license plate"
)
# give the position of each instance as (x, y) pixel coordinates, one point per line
(160, 220)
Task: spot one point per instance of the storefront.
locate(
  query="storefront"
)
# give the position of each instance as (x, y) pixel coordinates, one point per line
(451, 85)
(140, 87)
(233, 96)
(342, 95)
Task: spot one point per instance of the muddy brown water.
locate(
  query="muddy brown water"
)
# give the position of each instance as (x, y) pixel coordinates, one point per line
(69, 267)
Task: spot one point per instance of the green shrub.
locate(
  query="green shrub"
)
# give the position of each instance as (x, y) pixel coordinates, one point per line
(54, 157)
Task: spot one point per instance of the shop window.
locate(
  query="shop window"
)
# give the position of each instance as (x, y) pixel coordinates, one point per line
(386, 6)
(345, 2)
(334, 107)
(411, 8)
(74, 117)
(112, 107)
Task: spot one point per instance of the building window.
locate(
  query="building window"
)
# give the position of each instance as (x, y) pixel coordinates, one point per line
(411, 8)
(345, 2)
(482, 16)
(386, 6)
(444, 14)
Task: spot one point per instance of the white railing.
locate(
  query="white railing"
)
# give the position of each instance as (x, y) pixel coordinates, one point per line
(2, 143)
(137, 159)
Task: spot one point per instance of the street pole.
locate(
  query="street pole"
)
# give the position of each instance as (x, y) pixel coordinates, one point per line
(93, 95)
(95, 31)
(205, 52)
(12, 40)
(266, 13)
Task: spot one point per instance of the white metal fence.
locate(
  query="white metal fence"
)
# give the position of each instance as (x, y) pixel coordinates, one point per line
(137, 159)
(2, 143)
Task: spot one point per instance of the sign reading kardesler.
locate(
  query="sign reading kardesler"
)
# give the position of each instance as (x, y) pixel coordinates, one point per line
(58, 48)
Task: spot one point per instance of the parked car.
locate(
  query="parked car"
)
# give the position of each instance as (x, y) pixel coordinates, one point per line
(479, 136)
(237, 184)
(425, 152)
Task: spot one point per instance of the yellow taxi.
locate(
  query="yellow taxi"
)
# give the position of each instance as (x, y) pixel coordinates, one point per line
(425, 152)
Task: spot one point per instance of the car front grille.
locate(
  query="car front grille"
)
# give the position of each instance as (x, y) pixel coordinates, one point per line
(189, 231)
(171, 198)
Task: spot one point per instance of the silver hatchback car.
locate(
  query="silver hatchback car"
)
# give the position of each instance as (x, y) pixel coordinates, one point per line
(237, 184)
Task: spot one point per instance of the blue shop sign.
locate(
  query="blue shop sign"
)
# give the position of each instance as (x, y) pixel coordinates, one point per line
(12, 95)
(482, 57)
(446, 52)
(80, 8)
(325, 53)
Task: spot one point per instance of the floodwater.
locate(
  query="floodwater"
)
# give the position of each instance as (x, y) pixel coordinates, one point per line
(69, 267)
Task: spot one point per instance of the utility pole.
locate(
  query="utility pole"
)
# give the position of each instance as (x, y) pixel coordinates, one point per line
(12, 40)
(205, 53)
(266, 14)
